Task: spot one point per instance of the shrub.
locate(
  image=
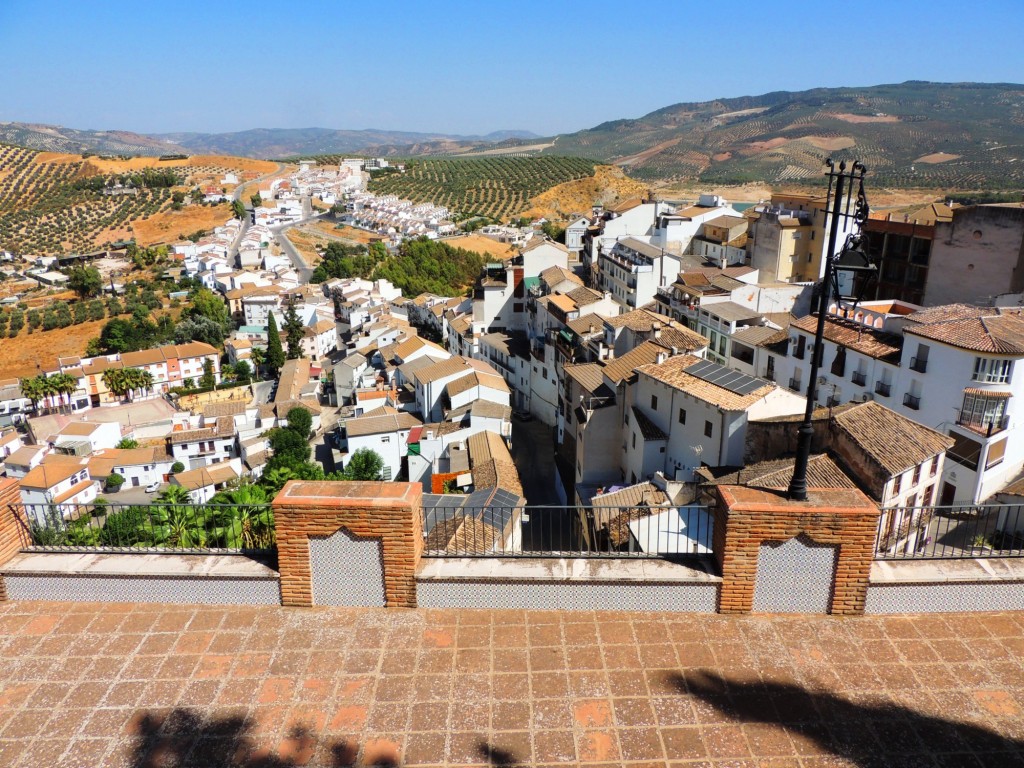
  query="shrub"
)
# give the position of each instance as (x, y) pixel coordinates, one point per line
(114, 481)
(125, 528)
(177, 467)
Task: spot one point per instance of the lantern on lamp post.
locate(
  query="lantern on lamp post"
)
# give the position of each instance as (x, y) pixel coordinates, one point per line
(847, 276)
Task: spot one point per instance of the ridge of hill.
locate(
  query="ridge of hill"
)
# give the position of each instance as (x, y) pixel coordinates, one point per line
(912, 134)
(256, 143)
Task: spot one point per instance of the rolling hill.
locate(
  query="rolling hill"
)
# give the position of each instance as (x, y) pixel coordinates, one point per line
(914, 134)
(917, 134)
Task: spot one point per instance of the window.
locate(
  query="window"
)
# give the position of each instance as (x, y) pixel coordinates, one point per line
(708, 429)
(912, 500)
(386, 439)
(634, 439)
(980, 410)
(991, 370)
(897, 484)
(682, 415)
(544, 373)
(927, 499)
(996, 451)
(934, 467)
(654, 402)
(917, 475)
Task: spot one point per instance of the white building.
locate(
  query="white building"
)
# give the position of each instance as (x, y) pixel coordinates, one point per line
(58, 484)
(633, 270)
(954, 368)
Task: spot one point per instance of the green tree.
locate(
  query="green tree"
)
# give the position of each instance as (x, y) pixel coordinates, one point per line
(289, 444)
(293, 331)
(256, 200)
(177, 467)
(208, 380)
(114, 481)
(275, 352)
(127, 443)
(238, 208)
(206, 303)
(300, 421)
(365, 464)
(86, 282)
(242, 371)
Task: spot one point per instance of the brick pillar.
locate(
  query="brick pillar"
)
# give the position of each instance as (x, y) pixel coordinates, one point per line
(12, 526)
(748, 517)
(390, 512)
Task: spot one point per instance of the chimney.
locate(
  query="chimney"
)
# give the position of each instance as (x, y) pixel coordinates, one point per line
(656, 329)
(675, 351)
(661, 358)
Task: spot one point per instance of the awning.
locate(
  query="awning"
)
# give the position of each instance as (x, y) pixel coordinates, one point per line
(986, 393)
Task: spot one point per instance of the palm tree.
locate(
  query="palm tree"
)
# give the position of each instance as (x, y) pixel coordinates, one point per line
(65, 385)
(247, 521)
(50, 390)
(33, 390)
(114, 380)
(183, 522)
(258, 358)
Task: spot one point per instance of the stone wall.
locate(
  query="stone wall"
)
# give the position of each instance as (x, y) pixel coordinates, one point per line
(748, 517)
(389, 512)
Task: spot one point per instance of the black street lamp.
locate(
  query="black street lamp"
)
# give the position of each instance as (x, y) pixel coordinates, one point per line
(845, 279)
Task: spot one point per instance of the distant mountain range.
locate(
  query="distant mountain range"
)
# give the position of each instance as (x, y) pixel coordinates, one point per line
(258, 142)
(913, 134)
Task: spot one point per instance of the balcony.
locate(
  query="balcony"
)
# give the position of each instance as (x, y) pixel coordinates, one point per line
(919, 364)
(769, 376)
(883, 389)
(833, 402)
(983, 425)
(799, 353)
(912, 402)
(794, 384)
(859, 378)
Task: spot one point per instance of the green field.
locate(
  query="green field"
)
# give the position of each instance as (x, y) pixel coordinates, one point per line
(498, 187)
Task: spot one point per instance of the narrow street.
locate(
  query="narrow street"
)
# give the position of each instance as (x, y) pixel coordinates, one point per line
(550, 526)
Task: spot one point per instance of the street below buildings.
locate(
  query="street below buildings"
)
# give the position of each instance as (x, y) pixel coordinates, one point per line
(549, 526)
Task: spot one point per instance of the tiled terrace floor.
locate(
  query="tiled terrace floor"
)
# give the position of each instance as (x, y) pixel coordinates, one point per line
(140, 685)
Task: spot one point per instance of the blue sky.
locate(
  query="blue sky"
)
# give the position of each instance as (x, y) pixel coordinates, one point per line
(466, 68)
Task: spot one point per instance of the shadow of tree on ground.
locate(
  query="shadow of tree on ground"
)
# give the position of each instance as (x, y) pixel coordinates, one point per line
(863, 734)
(183, 737)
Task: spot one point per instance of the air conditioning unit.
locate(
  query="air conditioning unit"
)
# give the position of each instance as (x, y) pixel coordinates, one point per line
(866, 396)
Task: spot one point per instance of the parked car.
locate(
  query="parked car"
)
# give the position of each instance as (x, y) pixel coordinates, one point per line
(153, 487)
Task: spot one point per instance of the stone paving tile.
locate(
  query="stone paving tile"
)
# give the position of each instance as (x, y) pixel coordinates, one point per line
(141, 686)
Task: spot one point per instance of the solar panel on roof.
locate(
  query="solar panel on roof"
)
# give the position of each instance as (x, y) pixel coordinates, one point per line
(726, 378)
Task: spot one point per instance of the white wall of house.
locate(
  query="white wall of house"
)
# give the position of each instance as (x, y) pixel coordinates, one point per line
(202, 453)
(391, 446)
(141, 475)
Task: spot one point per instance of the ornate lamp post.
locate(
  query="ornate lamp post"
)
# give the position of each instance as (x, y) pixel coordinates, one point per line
(846, 277)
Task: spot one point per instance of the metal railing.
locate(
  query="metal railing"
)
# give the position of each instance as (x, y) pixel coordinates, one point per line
(919, 364)
(669, 532)
(858, 378)
(794, 384)
(883, 389)
(982, 424)
(950, 533)
(912, 402)
(160, 527)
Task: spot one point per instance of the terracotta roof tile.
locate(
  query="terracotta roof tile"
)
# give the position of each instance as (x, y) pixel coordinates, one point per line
(894, 442)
